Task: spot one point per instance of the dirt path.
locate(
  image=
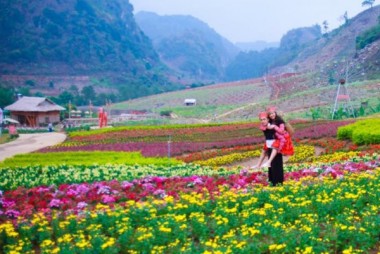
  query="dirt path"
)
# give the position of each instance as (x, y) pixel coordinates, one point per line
(27, 143)
(246, 164)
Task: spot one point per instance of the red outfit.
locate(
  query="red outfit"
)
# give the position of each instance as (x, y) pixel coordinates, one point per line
(283, 142)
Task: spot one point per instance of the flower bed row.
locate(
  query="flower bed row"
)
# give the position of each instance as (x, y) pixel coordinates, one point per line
(153, 149)
(66, 196)
(311, 215)
(208, 154)
(32, 176)
(153, 142)
(85, 158)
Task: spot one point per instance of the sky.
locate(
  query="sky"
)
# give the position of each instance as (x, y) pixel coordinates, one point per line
(256, 20)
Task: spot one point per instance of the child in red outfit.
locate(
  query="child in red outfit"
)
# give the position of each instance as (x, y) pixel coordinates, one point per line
(283, 143)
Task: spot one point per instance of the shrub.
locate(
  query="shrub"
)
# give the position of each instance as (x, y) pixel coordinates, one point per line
(361, 132)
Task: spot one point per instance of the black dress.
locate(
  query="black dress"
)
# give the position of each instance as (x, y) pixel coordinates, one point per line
(276, 169)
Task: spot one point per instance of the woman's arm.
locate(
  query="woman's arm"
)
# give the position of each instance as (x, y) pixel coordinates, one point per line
(279, 129)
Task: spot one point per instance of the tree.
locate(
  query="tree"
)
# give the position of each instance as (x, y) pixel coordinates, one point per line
(345, 18)
(65, 97)
(89, 93)
(74, 90)
(325, 27)
(368, 3)
(6, 97)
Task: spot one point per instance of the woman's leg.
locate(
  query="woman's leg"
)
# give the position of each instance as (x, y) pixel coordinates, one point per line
(273, 154)
(276, 170)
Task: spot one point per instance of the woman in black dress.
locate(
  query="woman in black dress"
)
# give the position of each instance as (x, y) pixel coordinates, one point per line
(276, 168)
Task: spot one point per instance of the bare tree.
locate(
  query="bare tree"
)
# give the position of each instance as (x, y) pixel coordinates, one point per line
(325, 27)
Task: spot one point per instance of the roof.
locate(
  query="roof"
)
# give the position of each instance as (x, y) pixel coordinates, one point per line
(190, 101)
(34, 104)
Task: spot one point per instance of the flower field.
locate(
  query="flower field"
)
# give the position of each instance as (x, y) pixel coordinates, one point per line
(172, 189)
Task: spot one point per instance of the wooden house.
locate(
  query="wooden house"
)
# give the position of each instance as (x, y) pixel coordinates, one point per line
(35, 111)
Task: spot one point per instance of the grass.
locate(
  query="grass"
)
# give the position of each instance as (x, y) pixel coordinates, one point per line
(5, 138)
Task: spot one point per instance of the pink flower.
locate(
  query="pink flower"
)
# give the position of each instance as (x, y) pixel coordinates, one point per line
(106, 199)
(55, 203)
(126, 185)
(8, 203)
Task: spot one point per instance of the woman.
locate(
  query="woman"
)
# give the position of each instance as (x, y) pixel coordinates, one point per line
(276, 168)
(283, 143)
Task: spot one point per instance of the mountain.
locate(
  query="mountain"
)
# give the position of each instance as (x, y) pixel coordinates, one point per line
(74, 35)
(188, 45)
(80, 42)
(256, 46)
(337, 54)
(351, 50)
(254, 64)
(98, 51)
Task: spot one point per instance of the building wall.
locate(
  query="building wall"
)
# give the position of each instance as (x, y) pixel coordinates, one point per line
(39, 118)
(48, 117)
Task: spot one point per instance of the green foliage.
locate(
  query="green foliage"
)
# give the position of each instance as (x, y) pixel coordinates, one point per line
(361, 132)
(84, 158)
(6, 96)
(315, 113)
(78, 37)
(367, 37)
(32, 176)
(165, 113)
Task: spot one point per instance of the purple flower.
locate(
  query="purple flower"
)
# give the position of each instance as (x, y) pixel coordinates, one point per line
(12, 214)
(55, 203)
(82, 188)
(82, 205)
(244, 172)
(159, 193)
(148, 186)
(72, 192)
(104, 190)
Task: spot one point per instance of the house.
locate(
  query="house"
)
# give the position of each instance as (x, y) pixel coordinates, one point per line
(190, 102)
(35, 111)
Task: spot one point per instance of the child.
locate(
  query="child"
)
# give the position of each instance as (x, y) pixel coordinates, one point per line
(283, 143)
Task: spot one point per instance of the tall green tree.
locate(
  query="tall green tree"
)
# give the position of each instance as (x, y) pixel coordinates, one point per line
(89, 93)
(6, 97)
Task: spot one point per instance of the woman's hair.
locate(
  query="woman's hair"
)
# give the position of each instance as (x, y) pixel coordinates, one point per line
(279, 120)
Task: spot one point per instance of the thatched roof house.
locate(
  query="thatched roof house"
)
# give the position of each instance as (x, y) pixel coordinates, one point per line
(35, 111)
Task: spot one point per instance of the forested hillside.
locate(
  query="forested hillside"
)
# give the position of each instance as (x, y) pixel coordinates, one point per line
(81, 43)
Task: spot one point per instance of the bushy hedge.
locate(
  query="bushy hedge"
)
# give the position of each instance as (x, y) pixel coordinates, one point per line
(361, 132)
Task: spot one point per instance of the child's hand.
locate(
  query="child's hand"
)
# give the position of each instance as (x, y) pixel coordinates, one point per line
(270, 126)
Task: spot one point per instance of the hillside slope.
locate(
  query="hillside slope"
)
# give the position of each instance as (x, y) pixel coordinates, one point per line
(74, 36)
(336, 51)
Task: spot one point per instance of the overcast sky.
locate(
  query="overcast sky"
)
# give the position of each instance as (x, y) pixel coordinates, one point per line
(253, 20)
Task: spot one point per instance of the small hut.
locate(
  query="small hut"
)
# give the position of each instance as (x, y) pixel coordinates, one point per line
(35, 111)
(190, 102)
